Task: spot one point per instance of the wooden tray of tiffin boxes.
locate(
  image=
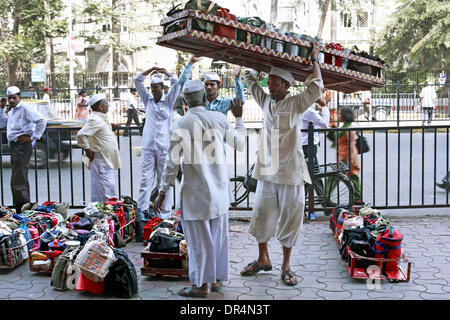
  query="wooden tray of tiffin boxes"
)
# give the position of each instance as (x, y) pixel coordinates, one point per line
(262, 58)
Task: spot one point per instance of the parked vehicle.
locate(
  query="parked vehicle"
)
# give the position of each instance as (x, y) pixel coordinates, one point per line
(60, 135)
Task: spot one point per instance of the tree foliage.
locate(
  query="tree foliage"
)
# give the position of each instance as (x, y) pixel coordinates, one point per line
(23, 30)
(417, 39)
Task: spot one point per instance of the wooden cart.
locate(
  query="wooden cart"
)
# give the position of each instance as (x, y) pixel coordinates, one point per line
(164, 264)
(262, 58)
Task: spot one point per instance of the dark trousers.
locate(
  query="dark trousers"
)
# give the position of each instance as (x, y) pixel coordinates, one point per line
(20, 162)
(133, 116)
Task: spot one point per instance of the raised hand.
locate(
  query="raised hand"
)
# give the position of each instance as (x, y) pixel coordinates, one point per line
(236, 107)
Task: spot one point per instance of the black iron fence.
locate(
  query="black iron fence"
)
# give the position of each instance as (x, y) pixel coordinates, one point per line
(400, 170)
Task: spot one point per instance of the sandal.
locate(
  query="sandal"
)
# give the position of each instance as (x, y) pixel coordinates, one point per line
(193, 292)
(255, 268)
(217, 287)
(288, 278)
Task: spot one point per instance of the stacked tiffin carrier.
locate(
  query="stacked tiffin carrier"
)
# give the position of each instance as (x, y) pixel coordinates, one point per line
(368, 243)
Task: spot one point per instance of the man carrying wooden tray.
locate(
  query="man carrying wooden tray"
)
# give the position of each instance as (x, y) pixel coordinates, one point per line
(280, 167)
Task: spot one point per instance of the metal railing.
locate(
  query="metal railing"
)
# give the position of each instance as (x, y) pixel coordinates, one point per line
(400, 170)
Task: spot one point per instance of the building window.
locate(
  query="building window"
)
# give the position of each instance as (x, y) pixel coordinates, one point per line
(363, 19)
(346, 19)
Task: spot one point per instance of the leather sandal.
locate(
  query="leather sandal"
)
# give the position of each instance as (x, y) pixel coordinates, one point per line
(217, 287)
(288, 278)
(255, 268)
(193, 292)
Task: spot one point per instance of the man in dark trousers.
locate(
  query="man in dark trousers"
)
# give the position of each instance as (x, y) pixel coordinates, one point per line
(24, 126)
(132, 112)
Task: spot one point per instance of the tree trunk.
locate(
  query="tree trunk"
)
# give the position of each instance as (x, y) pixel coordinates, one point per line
(14, 64)
(323, 17)
(48, 45)
(273, 11)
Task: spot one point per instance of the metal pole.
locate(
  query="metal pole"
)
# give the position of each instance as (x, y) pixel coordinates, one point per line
(398, 103)
(311, 214)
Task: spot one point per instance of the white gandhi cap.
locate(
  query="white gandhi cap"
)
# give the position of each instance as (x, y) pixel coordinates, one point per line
(156, 80)
(212, 76)
(96, 98)
(283, 74)
(12, 90)
(191, 86)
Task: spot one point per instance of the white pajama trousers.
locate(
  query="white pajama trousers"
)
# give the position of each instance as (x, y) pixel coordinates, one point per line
(207, 242)
(278, 210)
(152, 163)
(103, 186)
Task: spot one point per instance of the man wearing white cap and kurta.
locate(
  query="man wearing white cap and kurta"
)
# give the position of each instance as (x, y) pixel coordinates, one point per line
(213, 82)
(155, 137)
(24, 126)
(102, 152)
(199, 136)
(280, 167)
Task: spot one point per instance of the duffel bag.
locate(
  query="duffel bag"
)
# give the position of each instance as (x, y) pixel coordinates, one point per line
(389, 246)
(222, 30)
(64, 275)
(161, 241)
(10, 250)
(353, 233)
(95, 259)
(150, 227)
(361, 248)
(337, 218)
(121, 280)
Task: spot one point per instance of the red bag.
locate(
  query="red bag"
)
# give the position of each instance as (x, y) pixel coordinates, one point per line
(388, 246)
(149, 227)
(85, 284)
(222, 30)
(332, 59)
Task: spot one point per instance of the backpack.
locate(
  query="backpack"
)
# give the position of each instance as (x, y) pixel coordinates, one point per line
(337, 218)
(64, 275)
(121, 280)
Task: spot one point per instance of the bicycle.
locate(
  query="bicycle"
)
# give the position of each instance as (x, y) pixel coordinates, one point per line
(337, 190)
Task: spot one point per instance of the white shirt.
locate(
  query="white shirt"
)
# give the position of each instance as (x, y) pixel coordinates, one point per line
(158, 116)
(199, 138)
(46, 97)
(428, 95)
(23, 119)
(131, 101)
(281, 160)
(97, 135)
(319, 122)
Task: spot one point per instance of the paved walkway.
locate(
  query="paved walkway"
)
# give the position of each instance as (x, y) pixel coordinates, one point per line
(316, 261)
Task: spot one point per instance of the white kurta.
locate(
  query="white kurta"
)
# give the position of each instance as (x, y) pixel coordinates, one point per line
(280, 167)
(97, 135)
(320, 121)
(199, 136)
(155, 140)
(280, 154)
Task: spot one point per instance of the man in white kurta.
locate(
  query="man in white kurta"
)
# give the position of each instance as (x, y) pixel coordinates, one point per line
(319, 121)
(156, 135)
(199, 136)
(102, 152)
(280, 167)
(24, 126)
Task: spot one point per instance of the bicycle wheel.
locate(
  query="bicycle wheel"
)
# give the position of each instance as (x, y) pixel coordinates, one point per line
(339, 191)
(239, 193)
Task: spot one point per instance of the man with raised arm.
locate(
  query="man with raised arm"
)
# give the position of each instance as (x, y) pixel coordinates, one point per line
(280, 167)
